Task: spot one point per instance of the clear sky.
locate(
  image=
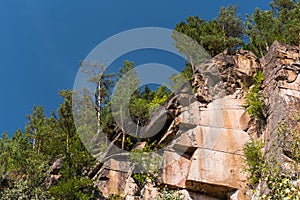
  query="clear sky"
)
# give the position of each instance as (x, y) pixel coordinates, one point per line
(43, 41)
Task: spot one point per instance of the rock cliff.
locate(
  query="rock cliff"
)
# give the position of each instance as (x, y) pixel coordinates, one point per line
(201, 144)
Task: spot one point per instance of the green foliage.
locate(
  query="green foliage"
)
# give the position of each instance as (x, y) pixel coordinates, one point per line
(230, 22)
(169, 194)
(74, 188)
(142, 104)
(139, 109)
(177, 80)
(278, 180)
(19, 191)
(140, 179)
(295, 146)
(280, 186)
(227, 31)
(160, 96)
(147, 163)
(26, 157)
(224, 32)
(254, 162)
(254, 101)
(115, 197)
(281, 23)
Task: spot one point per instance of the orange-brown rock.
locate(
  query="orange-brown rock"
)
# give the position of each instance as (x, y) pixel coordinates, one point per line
(201, 135)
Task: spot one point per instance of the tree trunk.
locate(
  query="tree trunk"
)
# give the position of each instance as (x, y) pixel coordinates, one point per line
(98, 107)
(122, 127)
(267, 46)
(192, 64)
(224, 34)
(123, 139)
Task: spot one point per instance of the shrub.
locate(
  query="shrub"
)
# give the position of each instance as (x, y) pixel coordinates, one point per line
(279, 181)
(147, 163)
(254, 161)
(254, 98)
(169, 194)
(74, 188)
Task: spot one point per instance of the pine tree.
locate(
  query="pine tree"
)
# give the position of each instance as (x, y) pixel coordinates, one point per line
(281, 23)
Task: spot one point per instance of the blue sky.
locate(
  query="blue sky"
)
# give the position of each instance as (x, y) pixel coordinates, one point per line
(42, 42)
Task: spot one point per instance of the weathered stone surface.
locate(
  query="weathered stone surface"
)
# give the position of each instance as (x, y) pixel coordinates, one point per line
(112, 182)
(118, 165)
(176, 166)
(149, 191)
(157, 123)
(51, 180)
(292, 76)
(56, 166)
(222, 113)
(219, 139)
(247, 62)
(131, 188)
(244, 121)
(185, 139)
(229, 71)
(215, 172)
(54, 176)
(282, 96)
(207, 157)
(115, 177)
(190, 116)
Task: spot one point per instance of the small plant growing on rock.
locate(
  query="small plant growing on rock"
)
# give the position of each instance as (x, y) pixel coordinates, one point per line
(115, 197)
(279, 182)
(147, 163)
(169, 194)
(254, 161)
(254, 98)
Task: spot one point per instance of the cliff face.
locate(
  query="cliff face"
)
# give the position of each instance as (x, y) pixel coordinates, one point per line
(203, 139)
(281, 85)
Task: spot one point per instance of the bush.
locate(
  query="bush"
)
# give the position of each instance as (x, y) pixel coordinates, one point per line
(254, 98)
(254, 161)
(74, 188)
(279, 181)
(115, 197)
(147, 163)
(169, 194)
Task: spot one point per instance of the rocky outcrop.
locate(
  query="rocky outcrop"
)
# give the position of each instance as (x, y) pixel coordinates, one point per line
(53, 173)
(206, 126)
(207, 156)
(281, 67)
(281, 87)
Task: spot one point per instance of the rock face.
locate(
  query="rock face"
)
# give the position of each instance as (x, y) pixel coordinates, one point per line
(203, 139)
(281, 69)
(53, 173)
(207, 158)
(281, 86)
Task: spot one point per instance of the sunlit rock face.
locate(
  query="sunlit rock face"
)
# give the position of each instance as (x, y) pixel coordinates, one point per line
(201, 142)
(207, 156)
(281, 67)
